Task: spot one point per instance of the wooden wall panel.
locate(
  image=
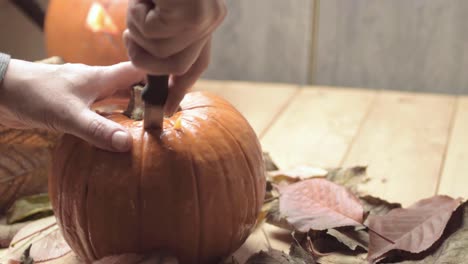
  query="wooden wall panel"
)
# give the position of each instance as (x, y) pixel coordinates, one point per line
(413, 45)
(263, 40)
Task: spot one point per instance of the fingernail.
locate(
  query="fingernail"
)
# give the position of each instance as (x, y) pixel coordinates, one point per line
(121, 141)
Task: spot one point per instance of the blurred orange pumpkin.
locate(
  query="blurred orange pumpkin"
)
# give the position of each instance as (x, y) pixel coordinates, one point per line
(86, 31)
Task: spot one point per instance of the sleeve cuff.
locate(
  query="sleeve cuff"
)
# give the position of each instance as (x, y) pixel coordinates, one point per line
(4, 61)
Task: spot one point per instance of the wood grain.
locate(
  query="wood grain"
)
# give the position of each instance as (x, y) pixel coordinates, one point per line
(454, 179)
(259, 103)
(417, 45)
(263, 40)
(403, 142)
(317, 127)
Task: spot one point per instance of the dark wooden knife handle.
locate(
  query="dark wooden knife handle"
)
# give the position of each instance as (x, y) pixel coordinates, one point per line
(156, 90)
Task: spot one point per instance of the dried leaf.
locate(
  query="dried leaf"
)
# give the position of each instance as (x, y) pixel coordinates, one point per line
(274, 217)
(295, 174)
(377, 206)
(26, 256)
(31, 138)
(137, 259)
(29, 208)
(451, 248)
(351, 238)
(45, 237)
(297, 251)
(319, 204)
(350, 178)
(338, 258)
(274, 256)
(270, 165)
(230, 260)
(7, 232)
(414, 229)
(23, 171)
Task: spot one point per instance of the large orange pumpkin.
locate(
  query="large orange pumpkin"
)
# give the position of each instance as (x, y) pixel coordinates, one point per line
(193, 190)
(86, 31)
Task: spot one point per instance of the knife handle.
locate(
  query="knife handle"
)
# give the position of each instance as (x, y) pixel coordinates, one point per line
(156, 90)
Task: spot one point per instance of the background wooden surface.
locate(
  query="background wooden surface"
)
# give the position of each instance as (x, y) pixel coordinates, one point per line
(414, 144)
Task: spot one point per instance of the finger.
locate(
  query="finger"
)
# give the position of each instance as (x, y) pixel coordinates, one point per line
(177, 64)
(157, 22)
(166, 47)
(99, 131)
(181, 84)
(117, 77)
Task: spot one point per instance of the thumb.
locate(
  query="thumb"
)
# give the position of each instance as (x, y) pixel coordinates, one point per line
(100, 131)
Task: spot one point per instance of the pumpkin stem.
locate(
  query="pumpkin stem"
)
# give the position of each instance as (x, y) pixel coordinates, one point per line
(136, 106)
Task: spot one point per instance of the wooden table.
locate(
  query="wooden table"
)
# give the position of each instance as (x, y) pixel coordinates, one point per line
(413, 144)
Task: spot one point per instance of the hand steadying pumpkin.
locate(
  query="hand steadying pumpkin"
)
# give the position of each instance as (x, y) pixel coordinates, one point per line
(172, 37)
(58, 97)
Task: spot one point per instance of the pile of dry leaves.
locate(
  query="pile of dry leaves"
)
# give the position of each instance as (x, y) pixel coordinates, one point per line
(330, 221)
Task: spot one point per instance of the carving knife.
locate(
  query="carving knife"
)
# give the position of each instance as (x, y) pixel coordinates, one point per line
(154, 96)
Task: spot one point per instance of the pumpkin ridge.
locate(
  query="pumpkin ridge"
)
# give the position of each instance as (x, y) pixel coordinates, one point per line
(62, 183)
(254, 183)
(92, 248)
(202, 215)
(198, 210)
(139, 194)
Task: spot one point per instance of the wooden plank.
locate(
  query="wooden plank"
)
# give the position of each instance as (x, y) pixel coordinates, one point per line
(259, 103)
(317, 127)
(403, 142)
(263, 40)
(416, 45)
(454, 179)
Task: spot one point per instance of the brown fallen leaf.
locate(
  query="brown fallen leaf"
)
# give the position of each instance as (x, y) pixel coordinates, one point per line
(138, 259)
(7, 232)
(273, 216)
(295, 174)
(274, 256)
(413, 229)
(377, 206)
(297, 251)
(350, 178)
(31, 138)
(23, 171)
(319, 204)
(29, 208)
(270, 165)
(453, 248)
(338, 258)
(46, 239)
(351, 238)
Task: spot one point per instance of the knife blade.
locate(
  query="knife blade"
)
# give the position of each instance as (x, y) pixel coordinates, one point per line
(154, 96)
